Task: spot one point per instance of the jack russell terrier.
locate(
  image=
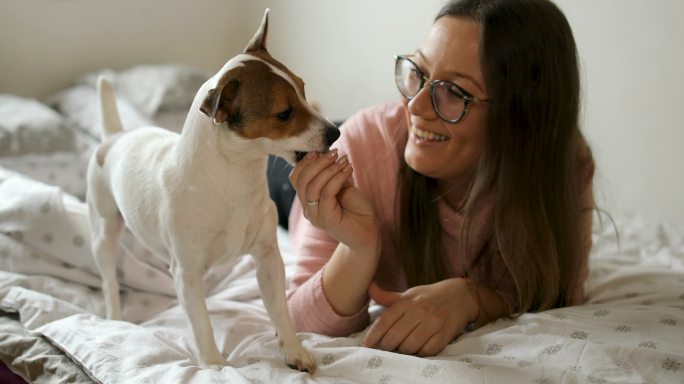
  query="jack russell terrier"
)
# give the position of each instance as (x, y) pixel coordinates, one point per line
(201, 197)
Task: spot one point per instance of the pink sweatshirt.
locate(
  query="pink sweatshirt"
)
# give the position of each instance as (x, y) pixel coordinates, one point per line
(374, 139)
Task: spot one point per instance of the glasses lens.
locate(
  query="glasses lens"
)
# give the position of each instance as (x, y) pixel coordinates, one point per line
(449, 101)
(408, 77)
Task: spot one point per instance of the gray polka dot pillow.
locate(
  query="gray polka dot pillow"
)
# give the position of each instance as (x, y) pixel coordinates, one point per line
(28, 126)
(37, 141)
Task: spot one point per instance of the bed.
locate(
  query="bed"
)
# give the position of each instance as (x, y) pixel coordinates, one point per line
(630, 329)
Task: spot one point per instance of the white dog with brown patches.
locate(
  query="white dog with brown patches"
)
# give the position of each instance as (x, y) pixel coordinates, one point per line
(201, 197)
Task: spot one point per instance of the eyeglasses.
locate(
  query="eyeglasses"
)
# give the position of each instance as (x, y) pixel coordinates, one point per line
(449, 100)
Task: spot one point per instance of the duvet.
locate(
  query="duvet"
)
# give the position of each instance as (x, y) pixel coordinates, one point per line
(630, 329)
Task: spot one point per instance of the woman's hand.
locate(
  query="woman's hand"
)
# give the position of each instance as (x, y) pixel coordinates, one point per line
(331, 201)
(424, 319)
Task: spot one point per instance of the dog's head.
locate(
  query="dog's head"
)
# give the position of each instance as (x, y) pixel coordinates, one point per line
(257, 97)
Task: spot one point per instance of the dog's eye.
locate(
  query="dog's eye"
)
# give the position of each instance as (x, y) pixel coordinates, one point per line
(285, 115)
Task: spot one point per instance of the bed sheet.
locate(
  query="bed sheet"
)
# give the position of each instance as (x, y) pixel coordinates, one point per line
(629, 330)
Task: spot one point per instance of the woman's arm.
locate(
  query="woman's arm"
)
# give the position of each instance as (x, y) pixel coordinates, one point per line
(338, 240)
(346, 213)
(347, 276)
(335, 281)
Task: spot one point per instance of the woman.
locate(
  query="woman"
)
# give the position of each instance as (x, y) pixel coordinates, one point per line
(469, 201)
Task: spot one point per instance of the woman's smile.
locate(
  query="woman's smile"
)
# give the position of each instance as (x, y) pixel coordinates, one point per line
(420, 137)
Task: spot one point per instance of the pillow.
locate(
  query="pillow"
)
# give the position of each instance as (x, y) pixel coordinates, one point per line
(66, 170)
(28, 126)
(80, 105)
(153, 88)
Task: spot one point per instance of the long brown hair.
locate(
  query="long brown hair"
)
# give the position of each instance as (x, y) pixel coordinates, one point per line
(529, 62)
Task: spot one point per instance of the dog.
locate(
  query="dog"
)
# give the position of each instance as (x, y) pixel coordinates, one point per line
(201, 197)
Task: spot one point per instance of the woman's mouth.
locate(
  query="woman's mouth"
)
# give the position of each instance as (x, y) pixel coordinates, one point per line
(426, 136)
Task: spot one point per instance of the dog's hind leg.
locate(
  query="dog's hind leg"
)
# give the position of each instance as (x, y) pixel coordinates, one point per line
(105, 240)
(190, 290)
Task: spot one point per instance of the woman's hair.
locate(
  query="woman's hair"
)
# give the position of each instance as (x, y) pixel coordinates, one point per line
(530, 160)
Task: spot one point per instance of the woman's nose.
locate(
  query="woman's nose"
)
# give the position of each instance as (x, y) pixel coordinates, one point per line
(421, 104)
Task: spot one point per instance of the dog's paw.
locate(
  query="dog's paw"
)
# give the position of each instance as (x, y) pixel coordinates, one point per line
(301, 360)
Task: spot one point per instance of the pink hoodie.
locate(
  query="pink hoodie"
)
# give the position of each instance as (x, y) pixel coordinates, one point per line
(374, 139)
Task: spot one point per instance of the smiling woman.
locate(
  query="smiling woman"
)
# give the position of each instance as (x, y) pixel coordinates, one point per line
(470, 200)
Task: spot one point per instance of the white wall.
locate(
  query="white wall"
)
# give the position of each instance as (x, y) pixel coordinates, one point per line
(631, 51)
(632, 56)
(46, 44)
(344, 50)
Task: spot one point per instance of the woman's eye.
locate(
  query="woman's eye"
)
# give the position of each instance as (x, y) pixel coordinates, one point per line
(285, 115)
(455, 92)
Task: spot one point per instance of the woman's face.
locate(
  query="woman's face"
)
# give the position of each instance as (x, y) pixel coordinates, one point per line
(435, 148)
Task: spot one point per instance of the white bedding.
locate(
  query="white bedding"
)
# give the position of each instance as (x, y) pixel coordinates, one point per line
(630, 330)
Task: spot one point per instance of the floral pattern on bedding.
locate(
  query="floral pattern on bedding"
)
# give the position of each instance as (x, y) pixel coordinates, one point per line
(630, 329)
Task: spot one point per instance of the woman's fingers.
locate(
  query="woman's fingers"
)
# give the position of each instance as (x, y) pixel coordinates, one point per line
(307, 170)
(332, 180)
(419, 336)
(434, 345)
(326, 184)
(382, 324)
(318, 180)
(301, 165)
(399, 331)
(407, 331)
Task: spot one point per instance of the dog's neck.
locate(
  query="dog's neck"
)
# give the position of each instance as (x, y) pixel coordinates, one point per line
(204, 145)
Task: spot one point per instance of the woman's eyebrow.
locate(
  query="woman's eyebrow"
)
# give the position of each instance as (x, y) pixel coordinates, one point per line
(452, 73)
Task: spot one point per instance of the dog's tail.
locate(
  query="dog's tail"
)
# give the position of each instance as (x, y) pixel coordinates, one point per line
(109, 113)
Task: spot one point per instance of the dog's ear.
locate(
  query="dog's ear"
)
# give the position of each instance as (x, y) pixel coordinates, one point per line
(258, 42)
(221, 103)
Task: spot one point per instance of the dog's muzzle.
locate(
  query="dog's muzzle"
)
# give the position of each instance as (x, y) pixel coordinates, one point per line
(331, 135)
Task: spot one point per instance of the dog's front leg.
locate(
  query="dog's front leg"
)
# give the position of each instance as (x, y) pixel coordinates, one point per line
(271, 278)
(188, 282)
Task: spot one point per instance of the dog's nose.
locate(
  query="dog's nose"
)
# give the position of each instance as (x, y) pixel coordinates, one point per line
(331, 134)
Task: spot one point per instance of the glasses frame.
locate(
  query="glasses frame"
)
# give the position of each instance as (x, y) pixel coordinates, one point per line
(467, 97)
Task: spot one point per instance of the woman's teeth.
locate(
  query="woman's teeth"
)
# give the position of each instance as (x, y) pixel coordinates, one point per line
(424, 135)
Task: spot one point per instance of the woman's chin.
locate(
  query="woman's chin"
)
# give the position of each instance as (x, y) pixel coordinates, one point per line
(419, 160)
